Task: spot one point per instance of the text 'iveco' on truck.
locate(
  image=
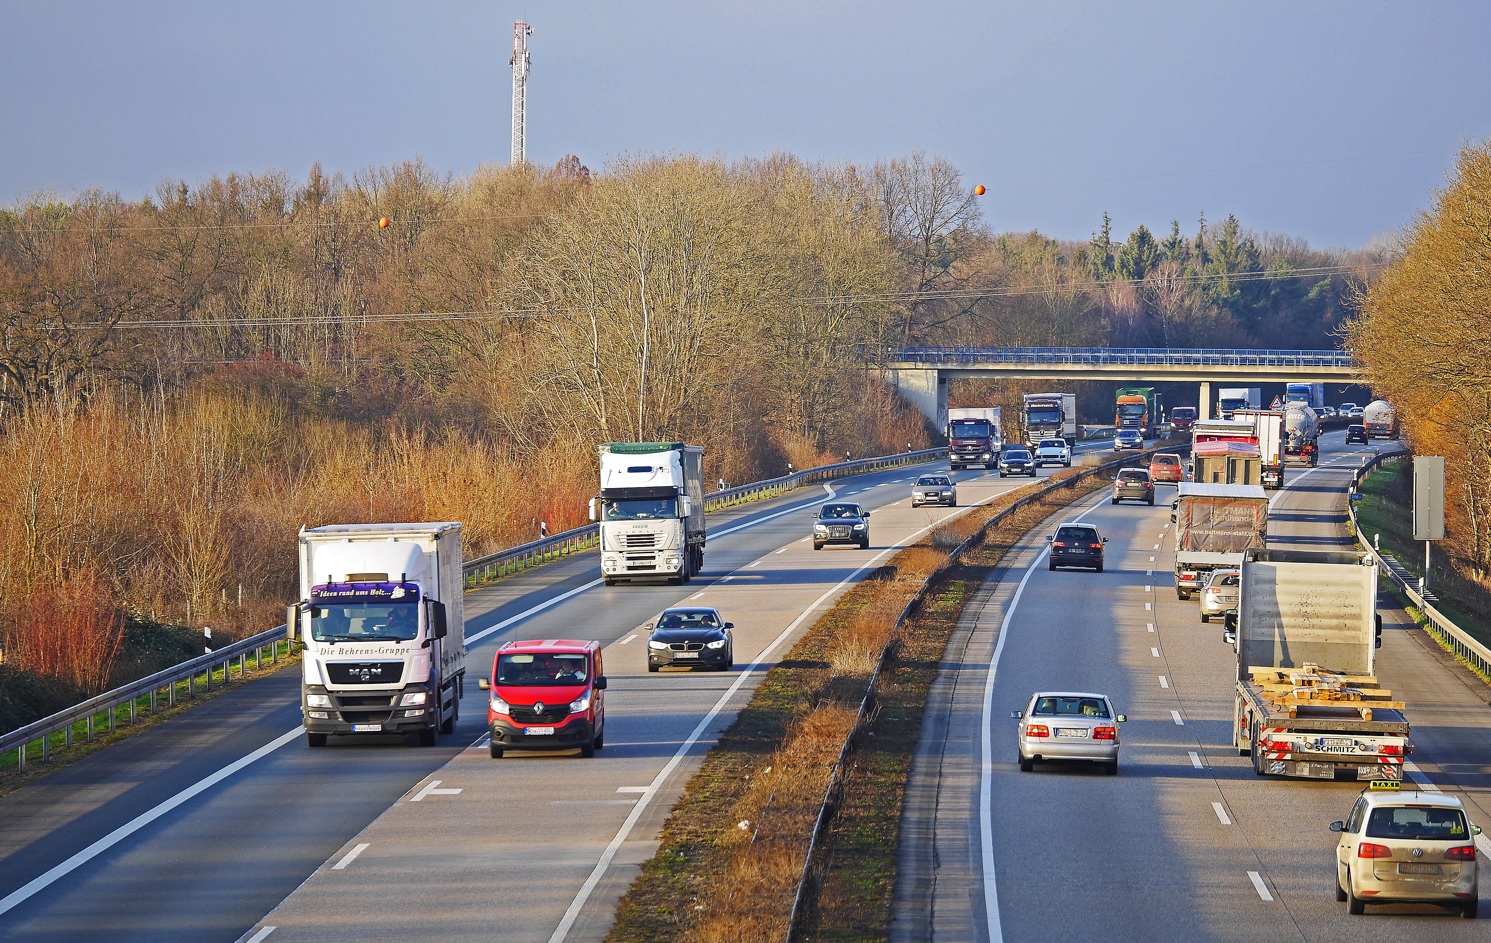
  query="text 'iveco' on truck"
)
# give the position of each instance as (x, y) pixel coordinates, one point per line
(651, 511)
(1308, 703)
(973, 436)
(381, 617)
(1049, 416)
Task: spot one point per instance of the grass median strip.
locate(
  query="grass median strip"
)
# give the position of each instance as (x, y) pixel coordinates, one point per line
(733, 850)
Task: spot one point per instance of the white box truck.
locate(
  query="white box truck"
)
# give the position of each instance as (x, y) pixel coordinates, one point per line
(1308, 703)
(974, 436)
(651, 511)
(381, 618)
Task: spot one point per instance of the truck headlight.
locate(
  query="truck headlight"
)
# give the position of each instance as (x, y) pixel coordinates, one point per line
(414, 699)
(500, 706)
(317, 700)
(580, 704)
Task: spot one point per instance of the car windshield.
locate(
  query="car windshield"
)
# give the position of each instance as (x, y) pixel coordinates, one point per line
(688, 620)
(1058, 705)
(935, 482)
(534, 670)
(1053, 443)
(1016, 455)
(839, 510)
(1417, 823)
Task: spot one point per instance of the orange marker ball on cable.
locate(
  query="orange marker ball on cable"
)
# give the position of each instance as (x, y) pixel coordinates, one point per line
(383, 223)
(979, 190)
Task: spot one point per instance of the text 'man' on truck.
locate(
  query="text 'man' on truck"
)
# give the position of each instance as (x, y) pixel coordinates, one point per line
(1049, 416)
(1308, 703)
(651, 511)
(973, 436)
(381, 616)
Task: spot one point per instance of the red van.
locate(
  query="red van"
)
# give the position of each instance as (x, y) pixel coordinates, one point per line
(547, 694)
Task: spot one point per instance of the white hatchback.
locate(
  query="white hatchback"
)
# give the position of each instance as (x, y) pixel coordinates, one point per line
(1406, 845)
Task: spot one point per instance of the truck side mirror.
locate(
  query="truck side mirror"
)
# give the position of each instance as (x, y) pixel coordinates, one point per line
(292, 621)
(688, 506)
(437, 620)
(1378, 637)
(592, 509)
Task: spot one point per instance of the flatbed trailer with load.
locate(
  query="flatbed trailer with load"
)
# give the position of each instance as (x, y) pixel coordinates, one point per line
(1308, 703)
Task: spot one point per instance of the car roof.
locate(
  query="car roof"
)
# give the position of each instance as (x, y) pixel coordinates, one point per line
(1355, 425)
(1164, 455)
(560, 645)
(1395, 797)
(1070, 694)
(931, 479)
(1082, 524)
(689, 610)
(1057, 442)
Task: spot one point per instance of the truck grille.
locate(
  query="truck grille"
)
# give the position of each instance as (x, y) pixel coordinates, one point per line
(640, 541)
(365, 672)
(551, 714)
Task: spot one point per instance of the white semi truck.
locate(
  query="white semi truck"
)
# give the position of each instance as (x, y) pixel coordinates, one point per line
(1231, 398)
(651, 511)
(1049, 416)
(1308, 703)
(381, 618)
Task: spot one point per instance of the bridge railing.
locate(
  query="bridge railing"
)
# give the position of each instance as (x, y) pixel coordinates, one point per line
(1119, 356)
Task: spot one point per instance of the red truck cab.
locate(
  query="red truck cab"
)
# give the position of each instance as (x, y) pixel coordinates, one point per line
(546, 694)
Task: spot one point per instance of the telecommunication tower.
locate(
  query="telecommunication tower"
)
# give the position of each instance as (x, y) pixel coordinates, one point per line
(519, 62)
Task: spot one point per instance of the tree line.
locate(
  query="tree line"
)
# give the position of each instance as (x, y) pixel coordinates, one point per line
(187, 379)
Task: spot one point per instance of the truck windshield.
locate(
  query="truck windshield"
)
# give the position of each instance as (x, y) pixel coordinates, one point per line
(1131, 410)
(1043, 415)
(969, 428)
(349, 620)
(638, 509)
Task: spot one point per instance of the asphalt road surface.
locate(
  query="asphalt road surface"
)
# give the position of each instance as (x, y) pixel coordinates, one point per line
(1186, 843)
(220, 825)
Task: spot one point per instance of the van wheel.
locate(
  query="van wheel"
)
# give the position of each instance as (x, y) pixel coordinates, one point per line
(588, 750)
(600, 739)
(315, 740)
(494, 750)
(1205, 617)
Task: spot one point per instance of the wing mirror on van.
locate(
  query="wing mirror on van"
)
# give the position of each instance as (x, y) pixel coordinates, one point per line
(484, 683)
(600, 683)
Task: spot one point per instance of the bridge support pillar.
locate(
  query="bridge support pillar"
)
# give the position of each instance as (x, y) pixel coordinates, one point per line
(1203, 409)
(926, 389)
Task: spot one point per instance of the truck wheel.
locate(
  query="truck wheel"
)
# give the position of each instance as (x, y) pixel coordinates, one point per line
(607, 581)
(428, 737)
(1182, 594)
(494, 750)
(315, 740)
(600, 739)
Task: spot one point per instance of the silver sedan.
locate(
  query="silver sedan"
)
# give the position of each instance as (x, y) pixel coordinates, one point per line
(1065, 725)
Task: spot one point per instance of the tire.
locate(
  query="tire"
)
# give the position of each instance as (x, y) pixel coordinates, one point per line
(817, 546)
(864, 544)
(651, 666)
(1001, 474)
(1052, 566)
(1257, 756)
(1151, 501)
(1111, 768)
(1115, 500)
(449, 724)
(494, 751)
(315, 740)
(428, 737)
(1182, 594)
(1471, 909)
(588, 750)
(1354, 905)
(1067, 464)
(1099, 568)
(1032, 473)
(600, 739)
(1026, 764)
(1205, 617)
(1340, 891)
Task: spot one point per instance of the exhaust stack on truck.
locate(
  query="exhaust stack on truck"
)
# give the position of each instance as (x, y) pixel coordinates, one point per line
(381, 617)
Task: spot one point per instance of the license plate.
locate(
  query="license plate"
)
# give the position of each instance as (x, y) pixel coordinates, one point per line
(1416, 868)
(1337, 745)
(367, 728)
(1071, 732)
(685, 654)
(539, 731)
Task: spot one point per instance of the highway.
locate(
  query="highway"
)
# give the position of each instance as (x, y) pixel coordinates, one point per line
(1186, 843)
(220, 825)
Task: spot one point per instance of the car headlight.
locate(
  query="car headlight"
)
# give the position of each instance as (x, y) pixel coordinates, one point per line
(656, 645)
(414, 699)
(317, 700)
(580, 704)
(500, 706)
(820, 528)
(718, 643)
(859, 527)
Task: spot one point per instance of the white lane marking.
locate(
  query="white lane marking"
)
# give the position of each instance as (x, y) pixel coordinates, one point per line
(724, 579)
(1151, 626)
(572, 913)
(699, 593)
(1149, 572)
(1149, 588)
(259, 937)
(627, 639)
(986, 777)
(1151, 559)
(1258, 884)
(1149, 607)
(1155, 652)
(1174, 715)
(1155, 547)
(1221, 813)
(631, 788)
(430, 790)
(752, 566)
(129, 828)
(784, 549)
(1411, 769)
(1164, 682)
(350, 856)
(592, 801)
(1196, 760)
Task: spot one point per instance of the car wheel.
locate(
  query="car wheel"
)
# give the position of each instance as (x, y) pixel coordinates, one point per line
(1067, 464)
(1340, 891)
(1354, 904)
(817, 546)
(1111, 768)
(1099, 568)
(1032, 473)
(315, 740)
(1205, 617)
(1001, 474)
(1026, 764)
(428, 737)
(1471, 908)
(1151, 501)
(494, 750)
(1052, 566)
(1115, 500)
(864, 544)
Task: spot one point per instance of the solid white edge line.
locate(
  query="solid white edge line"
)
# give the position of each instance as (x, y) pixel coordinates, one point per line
(1259, 886)
(1221, 813)
(986, 776)
(259, 937)
(351, 856)
(140, 821)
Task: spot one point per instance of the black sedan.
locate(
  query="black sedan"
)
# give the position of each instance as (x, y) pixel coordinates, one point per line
(841, 523)
(686, 636)
(1016, 462)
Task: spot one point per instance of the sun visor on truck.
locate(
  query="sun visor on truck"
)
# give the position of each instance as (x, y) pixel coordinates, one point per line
(622, 494)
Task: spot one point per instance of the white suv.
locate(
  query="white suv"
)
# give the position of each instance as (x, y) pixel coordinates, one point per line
(1399, 844)
(1053, 452)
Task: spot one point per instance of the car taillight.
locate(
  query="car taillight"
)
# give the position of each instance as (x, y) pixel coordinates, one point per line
(1105, 733)
(1037, 730)
(1097, 546)
(1461, 853)
(1372, 850)
(1058, 545)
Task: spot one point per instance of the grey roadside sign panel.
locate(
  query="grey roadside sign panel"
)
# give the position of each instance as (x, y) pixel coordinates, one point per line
(1428, 497)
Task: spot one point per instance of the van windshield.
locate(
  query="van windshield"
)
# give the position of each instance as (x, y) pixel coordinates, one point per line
(541, 670)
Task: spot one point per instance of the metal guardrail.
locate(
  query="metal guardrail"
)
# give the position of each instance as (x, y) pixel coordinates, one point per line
(586, 537)
(835, 779)
(110, 702)
(1457, 640)
(1222, 357)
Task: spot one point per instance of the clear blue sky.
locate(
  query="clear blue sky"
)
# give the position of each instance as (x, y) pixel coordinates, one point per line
(1331, 121)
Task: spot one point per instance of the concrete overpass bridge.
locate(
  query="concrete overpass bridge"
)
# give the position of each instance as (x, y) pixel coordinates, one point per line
(921, 373)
